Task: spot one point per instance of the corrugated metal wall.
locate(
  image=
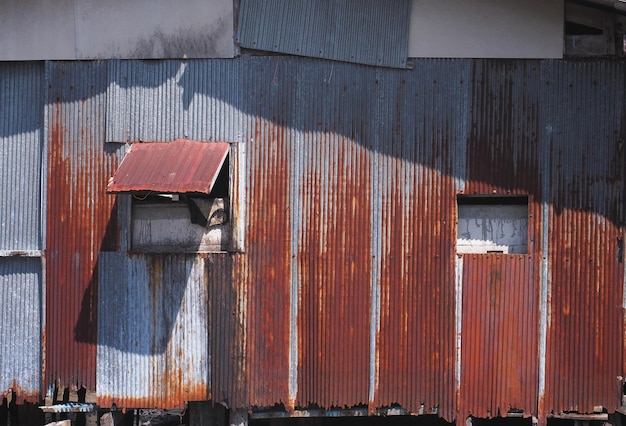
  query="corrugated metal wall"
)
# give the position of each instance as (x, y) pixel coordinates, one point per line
(20, 334)
(420, 135)
(586, 229)
(349, 291)
(21, 132)
(499, 367)
(80, 217)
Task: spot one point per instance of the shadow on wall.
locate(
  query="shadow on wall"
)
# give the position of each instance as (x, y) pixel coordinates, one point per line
(552, 129)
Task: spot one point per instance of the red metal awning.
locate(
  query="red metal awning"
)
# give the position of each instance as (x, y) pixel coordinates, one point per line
(170, 167)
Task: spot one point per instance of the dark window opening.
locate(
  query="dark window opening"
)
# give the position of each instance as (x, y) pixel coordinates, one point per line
(574, 28)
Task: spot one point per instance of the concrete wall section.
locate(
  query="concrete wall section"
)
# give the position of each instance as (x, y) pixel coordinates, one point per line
(90, 29)
(486, 29)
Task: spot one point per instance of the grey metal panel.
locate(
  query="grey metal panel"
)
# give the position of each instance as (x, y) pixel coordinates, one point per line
(20, 330)
(21, 120)
(153, 346)
(166, 100)
(367, 32)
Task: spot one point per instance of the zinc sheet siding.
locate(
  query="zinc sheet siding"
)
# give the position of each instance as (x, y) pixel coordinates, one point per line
(21, 333)
(349, 291)
(500, 315)
(153, 321)
(79, 215)
(585, 351)
(21, 133)
(416, 182)
(365, 32)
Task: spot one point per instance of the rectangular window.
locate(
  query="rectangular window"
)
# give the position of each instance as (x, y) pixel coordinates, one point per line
(492, 224)
(180, 196)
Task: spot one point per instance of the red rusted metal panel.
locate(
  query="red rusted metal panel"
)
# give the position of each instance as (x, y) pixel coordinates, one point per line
(417, 331)
(585, 338)
(335, 274)
(267, 267)
(173, 167)
(585, 341)
(501, 293)
(499, 365)
(81, 220)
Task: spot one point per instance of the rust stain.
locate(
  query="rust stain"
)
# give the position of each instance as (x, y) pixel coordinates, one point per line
(78, 216)
(19, 395)
(269, 271)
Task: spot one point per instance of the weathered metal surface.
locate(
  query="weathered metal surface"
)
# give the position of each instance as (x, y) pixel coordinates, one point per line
(366, 32)
(268, 270)
(21, 330)
(499, 335)
(21, 124)
(153, 330)
(585, 351)
(349, 292)
(416, 178)
(80, 219)
(21, 133)
(500, 316)
(173, 167)
(334, 271)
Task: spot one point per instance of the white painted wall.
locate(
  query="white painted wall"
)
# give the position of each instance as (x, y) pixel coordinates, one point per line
(96, 29)
(486, 28)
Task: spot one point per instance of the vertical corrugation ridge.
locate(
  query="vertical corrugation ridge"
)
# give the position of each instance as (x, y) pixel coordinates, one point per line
(20, 334)
(79, 212)
(587, 276)
(21, 123)
(364, 32)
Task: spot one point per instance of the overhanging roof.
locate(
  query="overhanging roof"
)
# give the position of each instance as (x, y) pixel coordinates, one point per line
(170, 167)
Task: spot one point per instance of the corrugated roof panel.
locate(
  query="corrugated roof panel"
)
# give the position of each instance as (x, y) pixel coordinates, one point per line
(170, 167)
(366, 32)
(81, 217)
(21, 123)
(585, 351)
(21, 330)
(152, 330)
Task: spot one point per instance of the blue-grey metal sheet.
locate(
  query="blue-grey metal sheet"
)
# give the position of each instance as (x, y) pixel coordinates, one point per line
(167, 100)
(20, 326)
(21, 121)
(153, 345)
(367, 32)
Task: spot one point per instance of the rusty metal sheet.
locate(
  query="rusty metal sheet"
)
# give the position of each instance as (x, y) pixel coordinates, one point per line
(81, 219)
(499, 365)
(335, 272)
(170, 167)
(268, 264)
(585, 337)
(416, 343)
(153, 323)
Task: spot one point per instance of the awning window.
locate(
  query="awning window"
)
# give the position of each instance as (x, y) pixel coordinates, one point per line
(180, 166)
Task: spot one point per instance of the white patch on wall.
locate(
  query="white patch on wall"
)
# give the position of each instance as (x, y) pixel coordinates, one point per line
(92, 29)
(486, 29)
(492, 226)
